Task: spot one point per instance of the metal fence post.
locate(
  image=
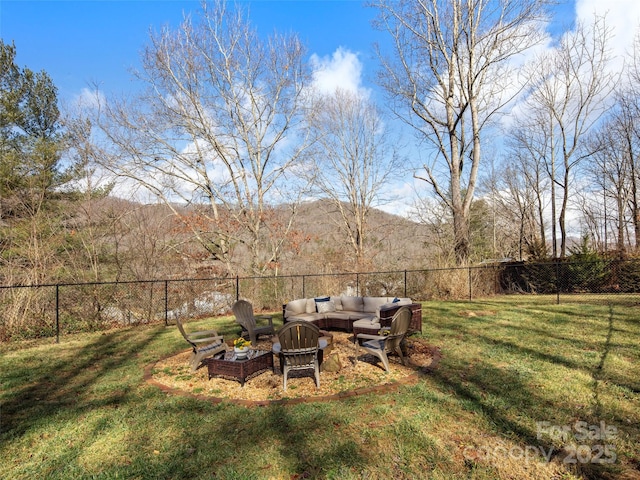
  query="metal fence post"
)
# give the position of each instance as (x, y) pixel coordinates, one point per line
(470, 288)
(166, 303)
(557, 282)
(57, 313)
(405, 284)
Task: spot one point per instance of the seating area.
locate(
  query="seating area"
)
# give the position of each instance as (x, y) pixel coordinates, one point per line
(300, 343)
(266, 387)
(351, 313)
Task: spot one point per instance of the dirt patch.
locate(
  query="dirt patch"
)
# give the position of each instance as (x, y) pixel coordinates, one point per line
(367, 373)
(479, 313)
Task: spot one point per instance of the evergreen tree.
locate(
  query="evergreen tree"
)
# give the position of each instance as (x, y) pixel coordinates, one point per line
(31, 139)
(32, 174)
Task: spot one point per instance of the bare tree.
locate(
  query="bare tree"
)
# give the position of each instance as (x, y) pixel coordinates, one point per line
(513, 198)
(217, 127)
(633, 138)
(354, 160)
(571, 85)
(436, 217)
(617, 145)
(450, 74)
(527, 181)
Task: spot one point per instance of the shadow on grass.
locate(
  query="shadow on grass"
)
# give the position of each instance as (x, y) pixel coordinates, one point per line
(239, 442)
(45, 387)
(513, 402)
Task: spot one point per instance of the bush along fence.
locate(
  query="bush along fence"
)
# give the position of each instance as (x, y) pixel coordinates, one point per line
(56, 309)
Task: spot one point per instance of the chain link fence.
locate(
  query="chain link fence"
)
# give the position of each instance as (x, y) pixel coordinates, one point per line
(55, 310)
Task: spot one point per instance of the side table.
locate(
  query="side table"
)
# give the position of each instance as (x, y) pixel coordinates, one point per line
(386, 315)
(228, 365)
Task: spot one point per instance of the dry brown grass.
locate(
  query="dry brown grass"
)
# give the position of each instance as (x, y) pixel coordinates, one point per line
(367, 372)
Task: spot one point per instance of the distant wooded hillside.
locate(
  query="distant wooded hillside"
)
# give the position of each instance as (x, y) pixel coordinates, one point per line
(112, 239)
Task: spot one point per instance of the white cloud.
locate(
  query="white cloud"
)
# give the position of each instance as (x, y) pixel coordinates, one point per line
(623, 22)
(89, 99)
(403, 196)
(342, 69)
(199, 151)
(622, 19)
(623, 16)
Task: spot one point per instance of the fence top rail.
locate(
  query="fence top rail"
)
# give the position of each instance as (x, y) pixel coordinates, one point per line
(306, 275)
(171, 280)
(85, 284)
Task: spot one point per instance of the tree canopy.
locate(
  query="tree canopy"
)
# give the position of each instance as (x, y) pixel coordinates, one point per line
(31, 139)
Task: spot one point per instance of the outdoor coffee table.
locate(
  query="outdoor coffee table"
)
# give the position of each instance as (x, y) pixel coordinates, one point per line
(228, 365)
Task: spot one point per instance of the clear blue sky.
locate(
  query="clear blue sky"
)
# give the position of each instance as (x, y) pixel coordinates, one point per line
(78, 42)
(81, 42)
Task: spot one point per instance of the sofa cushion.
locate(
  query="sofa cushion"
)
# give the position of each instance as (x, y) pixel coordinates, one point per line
(370, 317)
(296, 306)
(311, 305)
(368, 324)
(352, 304)
(372, 304)
(307, 317)
(337, 301)
(339, 315)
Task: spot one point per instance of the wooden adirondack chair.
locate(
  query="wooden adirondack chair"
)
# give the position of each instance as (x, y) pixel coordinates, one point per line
(297, 348)
(380, 345)
(243, 312)
(205, 343)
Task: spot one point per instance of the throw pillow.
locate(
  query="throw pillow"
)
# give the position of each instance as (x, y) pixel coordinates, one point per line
(321, 300)
(324, 307)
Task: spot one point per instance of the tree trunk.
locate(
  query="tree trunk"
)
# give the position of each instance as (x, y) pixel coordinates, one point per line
(461, 238)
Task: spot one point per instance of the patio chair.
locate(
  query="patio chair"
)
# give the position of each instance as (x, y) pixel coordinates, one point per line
(243, 312)
(380, 345)
(297, 348)
(205, 343)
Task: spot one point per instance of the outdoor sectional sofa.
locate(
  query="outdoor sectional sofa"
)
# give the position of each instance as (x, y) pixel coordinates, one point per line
(353, 314)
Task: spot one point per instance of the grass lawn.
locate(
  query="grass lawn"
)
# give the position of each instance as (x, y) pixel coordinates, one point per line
(525, 389)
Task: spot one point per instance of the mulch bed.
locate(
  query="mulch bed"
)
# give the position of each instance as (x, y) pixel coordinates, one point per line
(173, 375)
